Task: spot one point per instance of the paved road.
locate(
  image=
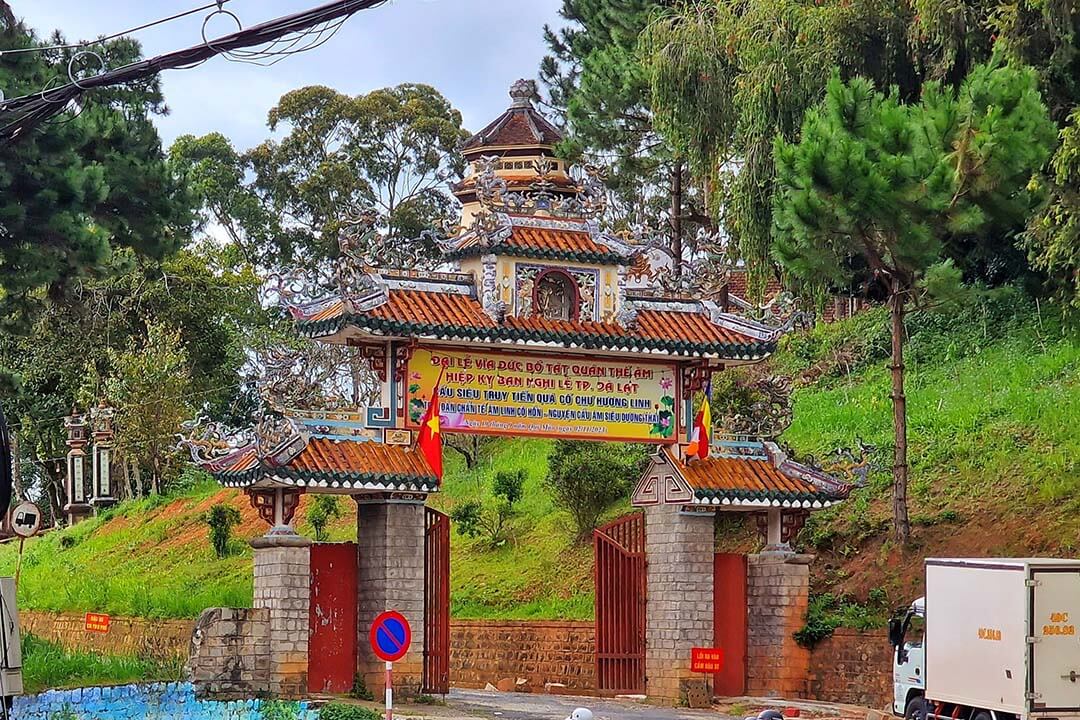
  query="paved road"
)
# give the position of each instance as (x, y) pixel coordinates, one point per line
(530, 706)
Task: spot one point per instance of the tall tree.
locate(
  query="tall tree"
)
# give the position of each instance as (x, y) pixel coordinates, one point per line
(597, 83)
(77, 189)
(727, 76)
(1052, 239)
(874, 187)
(390, 151)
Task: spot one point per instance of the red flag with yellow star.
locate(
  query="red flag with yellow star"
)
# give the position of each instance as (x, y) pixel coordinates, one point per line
(430, 440)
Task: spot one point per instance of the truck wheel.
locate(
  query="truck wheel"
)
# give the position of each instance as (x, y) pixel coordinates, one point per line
(916, 709)
(981, 715)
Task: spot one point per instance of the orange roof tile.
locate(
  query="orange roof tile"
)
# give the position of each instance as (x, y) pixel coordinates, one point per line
(687, 326)
(334, 462)
(432, 308)
(557, 240)
(756, 479)
(444, 312)
(325, 455)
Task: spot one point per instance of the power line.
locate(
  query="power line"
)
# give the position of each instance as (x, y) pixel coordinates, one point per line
(106, 38)
(22, 114)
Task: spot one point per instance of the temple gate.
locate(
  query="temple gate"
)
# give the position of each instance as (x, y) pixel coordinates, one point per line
(539, 323)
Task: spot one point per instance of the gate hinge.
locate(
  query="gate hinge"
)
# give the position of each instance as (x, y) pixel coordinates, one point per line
(1032, 583)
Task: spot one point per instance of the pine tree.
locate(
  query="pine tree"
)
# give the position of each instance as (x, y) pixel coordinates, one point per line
(875, 187)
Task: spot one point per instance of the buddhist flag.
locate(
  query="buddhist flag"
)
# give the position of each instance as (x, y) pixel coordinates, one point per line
(430, 440)
(699, 437)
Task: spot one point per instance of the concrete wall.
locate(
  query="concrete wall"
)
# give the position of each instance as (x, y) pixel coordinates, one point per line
(158, 701)
(541, 652)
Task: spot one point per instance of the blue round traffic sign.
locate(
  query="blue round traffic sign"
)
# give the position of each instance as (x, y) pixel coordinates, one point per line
(390, 636)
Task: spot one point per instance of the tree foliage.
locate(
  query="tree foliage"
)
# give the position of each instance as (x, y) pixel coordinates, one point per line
(586, 478)
(1053, 235)
(286, 201)
(490, 520)
(221, 519)
(874, 187)
(323, 510)
(79, 188)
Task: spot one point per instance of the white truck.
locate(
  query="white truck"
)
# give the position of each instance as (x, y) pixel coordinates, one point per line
(993, 639)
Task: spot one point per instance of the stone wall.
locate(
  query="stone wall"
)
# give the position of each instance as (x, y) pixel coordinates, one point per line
(541, 652)
(162, 640)
(158, 701)
(852, 667)
(230, 653)
(777, 595)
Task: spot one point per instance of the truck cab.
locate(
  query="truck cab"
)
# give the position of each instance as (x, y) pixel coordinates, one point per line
(906, 632)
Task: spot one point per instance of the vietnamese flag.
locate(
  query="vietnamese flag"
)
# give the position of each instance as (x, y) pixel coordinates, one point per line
(430, 440)
(699, 439)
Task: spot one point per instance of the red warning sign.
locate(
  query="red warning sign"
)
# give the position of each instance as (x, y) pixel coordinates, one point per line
(97, 622)
(706, 660)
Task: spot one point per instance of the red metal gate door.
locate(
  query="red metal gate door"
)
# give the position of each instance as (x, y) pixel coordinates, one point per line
(729, 622)
(332, 648)
(436, 603)
(620, 605)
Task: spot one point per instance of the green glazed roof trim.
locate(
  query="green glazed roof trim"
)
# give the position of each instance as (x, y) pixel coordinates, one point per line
(765, 495)
(420, 482)
(320, 328)
(602, 258)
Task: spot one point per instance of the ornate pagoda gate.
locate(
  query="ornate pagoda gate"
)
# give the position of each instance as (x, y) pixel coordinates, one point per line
(542, 325)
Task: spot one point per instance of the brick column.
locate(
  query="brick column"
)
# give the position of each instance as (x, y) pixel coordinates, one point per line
(679, 611)
(283, 587)
(390, 543)
(778, 591)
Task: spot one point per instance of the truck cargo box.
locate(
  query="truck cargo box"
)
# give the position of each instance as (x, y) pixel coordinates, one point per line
(1001, 634)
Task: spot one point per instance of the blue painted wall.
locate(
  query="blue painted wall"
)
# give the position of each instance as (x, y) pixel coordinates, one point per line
(158, 701)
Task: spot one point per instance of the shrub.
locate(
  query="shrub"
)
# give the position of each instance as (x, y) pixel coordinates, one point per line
(476, 519)
(324, 508)
(221, 518)
(585, 478)
(341, 711)
(826, 612)
(359, 689)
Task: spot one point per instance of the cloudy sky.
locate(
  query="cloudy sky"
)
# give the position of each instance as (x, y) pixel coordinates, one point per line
(471, 50)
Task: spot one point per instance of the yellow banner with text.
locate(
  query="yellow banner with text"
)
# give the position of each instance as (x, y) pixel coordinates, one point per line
(510, 393)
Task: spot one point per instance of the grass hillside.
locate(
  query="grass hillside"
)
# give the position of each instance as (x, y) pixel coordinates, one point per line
(994, 421)
(152, 558)
(994, 435)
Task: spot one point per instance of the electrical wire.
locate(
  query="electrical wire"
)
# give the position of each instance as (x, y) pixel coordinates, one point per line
(20, 115)
(106, 38)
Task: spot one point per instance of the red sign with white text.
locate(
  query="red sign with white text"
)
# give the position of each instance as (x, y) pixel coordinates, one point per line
(97, 622)
(706, 660)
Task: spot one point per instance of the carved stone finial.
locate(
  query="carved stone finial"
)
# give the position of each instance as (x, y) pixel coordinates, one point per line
(522, 92)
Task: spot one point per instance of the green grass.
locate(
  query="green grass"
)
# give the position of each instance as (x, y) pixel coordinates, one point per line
(46, 665)
(993, 415)
(540, 572)
(149, 558)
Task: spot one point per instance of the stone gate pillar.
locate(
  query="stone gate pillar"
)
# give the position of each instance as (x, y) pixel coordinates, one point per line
(679, 589)
(390, 543)
(283, 587)
(777, 595)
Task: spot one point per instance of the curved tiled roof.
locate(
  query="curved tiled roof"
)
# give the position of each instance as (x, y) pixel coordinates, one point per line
(521, 126)
(722, 479)
(327, 462)
(545, 244)
(445, 315)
